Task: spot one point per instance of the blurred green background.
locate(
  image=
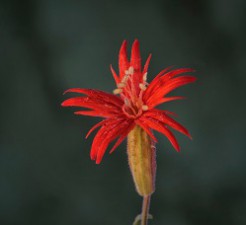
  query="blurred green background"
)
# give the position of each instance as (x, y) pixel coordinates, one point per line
(46, 175)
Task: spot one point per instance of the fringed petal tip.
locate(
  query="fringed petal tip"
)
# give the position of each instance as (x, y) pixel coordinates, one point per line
(124, 44)
(115, 76)
(73, 90)
(135, 56)
(146, 65)
(123, 60)
(93, 157)
(96, 159)
(64, 103)
(67, 91)
(177, 148)
(135, 45)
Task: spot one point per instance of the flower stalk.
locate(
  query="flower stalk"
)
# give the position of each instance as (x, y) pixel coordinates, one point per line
(145, 210)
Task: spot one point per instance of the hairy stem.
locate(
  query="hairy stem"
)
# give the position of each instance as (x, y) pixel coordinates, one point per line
(145, 210)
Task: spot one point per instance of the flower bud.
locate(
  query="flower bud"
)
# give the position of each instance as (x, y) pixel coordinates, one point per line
(142, 162)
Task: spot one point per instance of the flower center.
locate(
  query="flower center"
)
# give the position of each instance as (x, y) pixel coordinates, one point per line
(131, 90)
(132, 110)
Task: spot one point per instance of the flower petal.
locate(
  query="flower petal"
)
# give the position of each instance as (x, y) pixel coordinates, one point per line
(142, 124)
(146, 66)
(95, 127)
(115, 76)
(162, 116)
(156, 125)
(95, 113)
(163, 77)
(163, 100)
(97, 94)
(135, 56)
(87, 102)
(107, 133)
(154, 82)
(123, 61)
(175, 72)
(122, 137)
(165, 88)
(100, 136)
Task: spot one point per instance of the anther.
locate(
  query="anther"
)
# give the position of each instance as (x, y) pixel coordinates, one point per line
(124, 79)
(127, 72)
(145, 76)
(117, 91)
(142, 86)
(121, 85)
(131, 70)
(126, 102)
(145, 107)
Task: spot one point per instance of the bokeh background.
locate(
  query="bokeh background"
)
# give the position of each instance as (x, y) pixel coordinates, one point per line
(46, 175)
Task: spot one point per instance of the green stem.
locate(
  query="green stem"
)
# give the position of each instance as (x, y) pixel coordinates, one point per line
(145, 209)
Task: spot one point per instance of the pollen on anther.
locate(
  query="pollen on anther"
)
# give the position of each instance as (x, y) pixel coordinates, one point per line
(145, 76)
(145, 107)
(126, 102)
(131, 70)
(121, 85)
(117, 91)
(142, 86)
(124, 79)
(127, 72)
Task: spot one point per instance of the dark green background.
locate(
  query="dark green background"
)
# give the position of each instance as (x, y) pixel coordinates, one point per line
(46, 175)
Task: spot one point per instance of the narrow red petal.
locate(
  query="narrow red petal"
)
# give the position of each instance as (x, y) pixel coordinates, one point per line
(163, 89)
(177, 82)
(175, 72)
(112, 133)
(115, 76)
(163, 100)
(94, 113)
(162, 116)
(154, 124)
(123, 61)
(146, 128)
(135, 56)
(154, 82)
(170, 113)
(97, 94)
(76, 102)
(146, 66)
(96, 104)
(109, 131)
(95, 127)
(100, 137)
(162, 78)
(122, 137)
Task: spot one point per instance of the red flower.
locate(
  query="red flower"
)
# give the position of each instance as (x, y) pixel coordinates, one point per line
(135, 104)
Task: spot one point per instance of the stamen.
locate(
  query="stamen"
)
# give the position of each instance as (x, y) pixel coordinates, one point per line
(124, 79)
(142, 86)
(145, 76)
(145, 107)
(121, 85)
(131, 70)
(127, 103)
(117, 91)
(127, 72)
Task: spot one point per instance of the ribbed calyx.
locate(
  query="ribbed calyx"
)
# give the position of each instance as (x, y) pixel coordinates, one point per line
(142, 162)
